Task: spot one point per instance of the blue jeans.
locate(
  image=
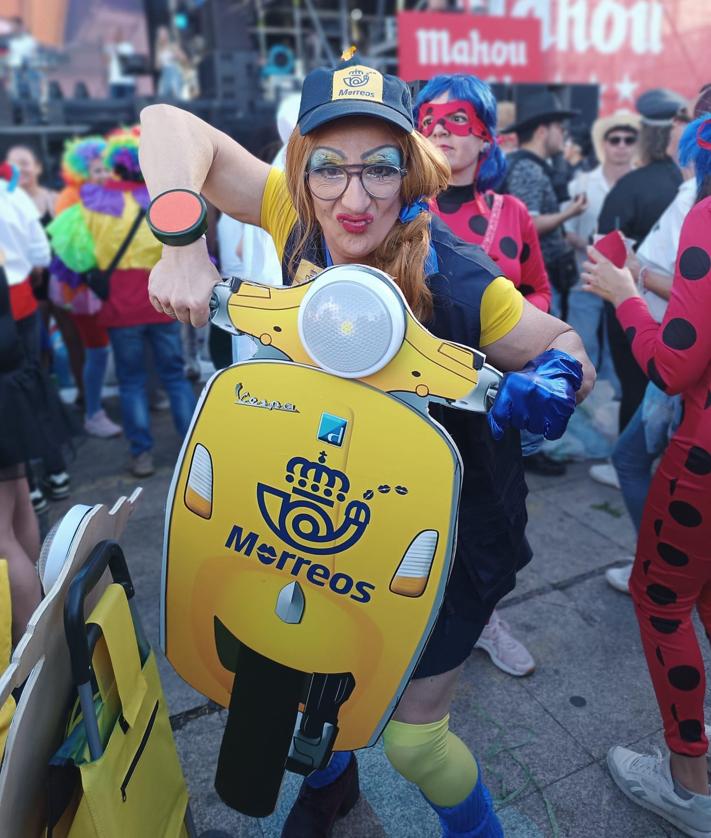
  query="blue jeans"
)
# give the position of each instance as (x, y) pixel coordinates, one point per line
(633, 464)
(586, 316)
(129, 344)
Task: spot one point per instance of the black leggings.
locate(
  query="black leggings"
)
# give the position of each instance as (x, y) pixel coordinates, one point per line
(633, 381)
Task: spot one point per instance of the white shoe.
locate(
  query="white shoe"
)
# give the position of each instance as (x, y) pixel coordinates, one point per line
(647, 781)
(505, 651)
(100, 425)
(605, 473)
(619, 578)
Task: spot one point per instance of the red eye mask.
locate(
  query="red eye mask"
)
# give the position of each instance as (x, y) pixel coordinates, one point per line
(431, 115)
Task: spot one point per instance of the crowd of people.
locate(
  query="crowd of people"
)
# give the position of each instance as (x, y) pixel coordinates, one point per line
(405, 186)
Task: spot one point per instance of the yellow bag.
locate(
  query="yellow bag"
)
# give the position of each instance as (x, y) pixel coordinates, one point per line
(8, 708)
(136, 787)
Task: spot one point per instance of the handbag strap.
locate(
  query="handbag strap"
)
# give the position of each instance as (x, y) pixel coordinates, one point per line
(113, 616)
(493, 222)
(126, 242)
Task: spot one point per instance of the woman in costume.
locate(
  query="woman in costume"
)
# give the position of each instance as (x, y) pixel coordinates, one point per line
(354, 191)
(457, 114)
(89, 235)
(672, 569)
(84, 174)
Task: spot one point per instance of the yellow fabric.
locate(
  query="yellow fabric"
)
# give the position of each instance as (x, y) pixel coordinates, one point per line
(109, 232)
(501, 304)
(278, 214)
(433, 758)
(136, 787)
(113, 616)
(8, 708)
(501, 309)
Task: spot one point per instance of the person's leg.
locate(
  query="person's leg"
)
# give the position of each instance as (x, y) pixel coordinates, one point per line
(25, 524)
(670, 574)
(129, 347)
(167, 351)
(24, 581)
(422, 749)
(73, 344)
(633, 464)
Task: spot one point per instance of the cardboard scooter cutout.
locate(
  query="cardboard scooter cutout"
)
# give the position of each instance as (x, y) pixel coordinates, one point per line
(311, 522)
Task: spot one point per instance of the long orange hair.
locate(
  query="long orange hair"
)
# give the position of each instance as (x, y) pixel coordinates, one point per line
(404, 251)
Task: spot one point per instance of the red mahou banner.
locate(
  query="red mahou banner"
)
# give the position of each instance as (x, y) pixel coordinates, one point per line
(429, 44)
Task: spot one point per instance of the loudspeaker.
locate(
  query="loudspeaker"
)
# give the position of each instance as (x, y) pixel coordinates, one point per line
(232, 75)
(225, 24)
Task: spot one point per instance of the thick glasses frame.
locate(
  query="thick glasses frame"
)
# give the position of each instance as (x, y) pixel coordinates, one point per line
(351, 171)
(618, 139)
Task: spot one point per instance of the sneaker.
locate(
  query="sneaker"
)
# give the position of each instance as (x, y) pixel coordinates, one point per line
(100, 425)
(56, 486)
(619, 578)
(605, 473)
(142, 465)
(39, 501)
(647, 781)
(505, 651)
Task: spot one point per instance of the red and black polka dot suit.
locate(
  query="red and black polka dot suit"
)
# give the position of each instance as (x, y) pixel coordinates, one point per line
(672, 571)
(515, 246)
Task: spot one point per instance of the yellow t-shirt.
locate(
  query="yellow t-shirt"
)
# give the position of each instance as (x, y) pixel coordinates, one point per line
(501, 303)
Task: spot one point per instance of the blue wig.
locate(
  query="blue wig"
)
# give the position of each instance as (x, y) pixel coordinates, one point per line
(692, 152)
(478, 93)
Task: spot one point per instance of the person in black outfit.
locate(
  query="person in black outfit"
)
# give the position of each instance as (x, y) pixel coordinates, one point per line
(633, 206)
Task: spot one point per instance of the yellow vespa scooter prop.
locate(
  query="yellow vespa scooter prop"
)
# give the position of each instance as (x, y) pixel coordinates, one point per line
(311, 521)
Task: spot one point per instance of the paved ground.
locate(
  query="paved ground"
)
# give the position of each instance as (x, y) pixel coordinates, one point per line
(541, 740)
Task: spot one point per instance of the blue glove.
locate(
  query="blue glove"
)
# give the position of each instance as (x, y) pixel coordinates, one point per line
(540, 398)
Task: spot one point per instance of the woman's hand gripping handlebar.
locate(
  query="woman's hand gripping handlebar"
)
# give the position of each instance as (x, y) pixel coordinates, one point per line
(182, 281)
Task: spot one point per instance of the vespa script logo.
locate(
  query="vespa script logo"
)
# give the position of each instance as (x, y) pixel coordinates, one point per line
(245, 398)
(302, 518)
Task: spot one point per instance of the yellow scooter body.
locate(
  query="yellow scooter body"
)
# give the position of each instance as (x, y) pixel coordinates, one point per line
(312, 517)
(328, 483)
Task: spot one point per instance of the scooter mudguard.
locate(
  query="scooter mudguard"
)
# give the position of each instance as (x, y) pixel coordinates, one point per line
(297, 528)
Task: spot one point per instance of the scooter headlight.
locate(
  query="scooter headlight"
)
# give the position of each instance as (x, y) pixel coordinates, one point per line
(198, 491)
(352, 321)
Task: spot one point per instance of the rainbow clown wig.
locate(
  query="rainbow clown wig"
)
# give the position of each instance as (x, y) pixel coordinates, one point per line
(121, 155)
(478, 93)
(695, 149)
(78, 156)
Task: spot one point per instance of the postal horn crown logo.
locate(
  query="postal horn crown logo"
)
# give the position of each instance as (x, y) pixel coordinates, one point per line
(303, 517)
(357, 82)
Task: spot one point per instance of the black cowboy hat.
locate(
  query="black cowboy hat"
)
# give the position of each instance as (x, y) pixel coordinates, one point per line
(538, 108)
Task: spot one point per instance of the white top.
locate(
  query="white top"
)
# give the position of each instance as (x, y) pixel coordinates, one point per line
(115, 75)
(658, 250)
(21, 50)
(22, 238)
(595, 187)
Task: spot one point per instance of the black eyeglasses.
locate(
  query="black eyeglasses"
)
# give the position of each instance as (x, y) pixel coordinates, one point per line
(627, 139)
(379, 180)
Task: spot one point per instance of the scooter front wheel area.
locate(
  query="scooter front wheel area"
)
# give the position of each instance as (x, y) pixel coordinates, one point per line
(260, 727)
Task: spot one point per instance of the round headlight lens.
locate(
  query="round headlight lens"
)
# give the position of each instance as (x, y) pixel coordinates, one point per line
(352, 321)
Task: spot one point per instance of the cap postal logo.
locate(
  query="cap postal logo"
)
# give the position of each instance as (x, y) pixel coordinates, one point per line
(358, 82)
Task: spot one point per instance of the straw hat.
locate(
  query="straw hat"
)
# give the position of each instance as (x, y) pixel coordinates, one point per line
(601, 128)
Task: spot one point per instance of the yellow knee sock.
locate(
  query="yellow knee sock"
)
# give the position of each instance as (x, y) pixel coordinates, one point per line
(433, 758)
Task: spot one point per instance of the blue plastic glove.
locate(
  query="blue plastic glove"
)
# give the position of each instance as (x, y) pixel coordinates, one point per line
(539, 398)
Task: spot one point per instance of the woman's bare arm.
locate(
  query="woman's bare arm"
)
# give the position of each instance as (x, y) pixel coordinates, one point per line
(179, 150)
(533, 334)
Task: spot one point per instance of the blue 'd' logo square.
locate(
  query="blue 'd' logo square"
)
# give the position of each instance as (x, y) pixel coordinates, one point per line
(332, 429)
